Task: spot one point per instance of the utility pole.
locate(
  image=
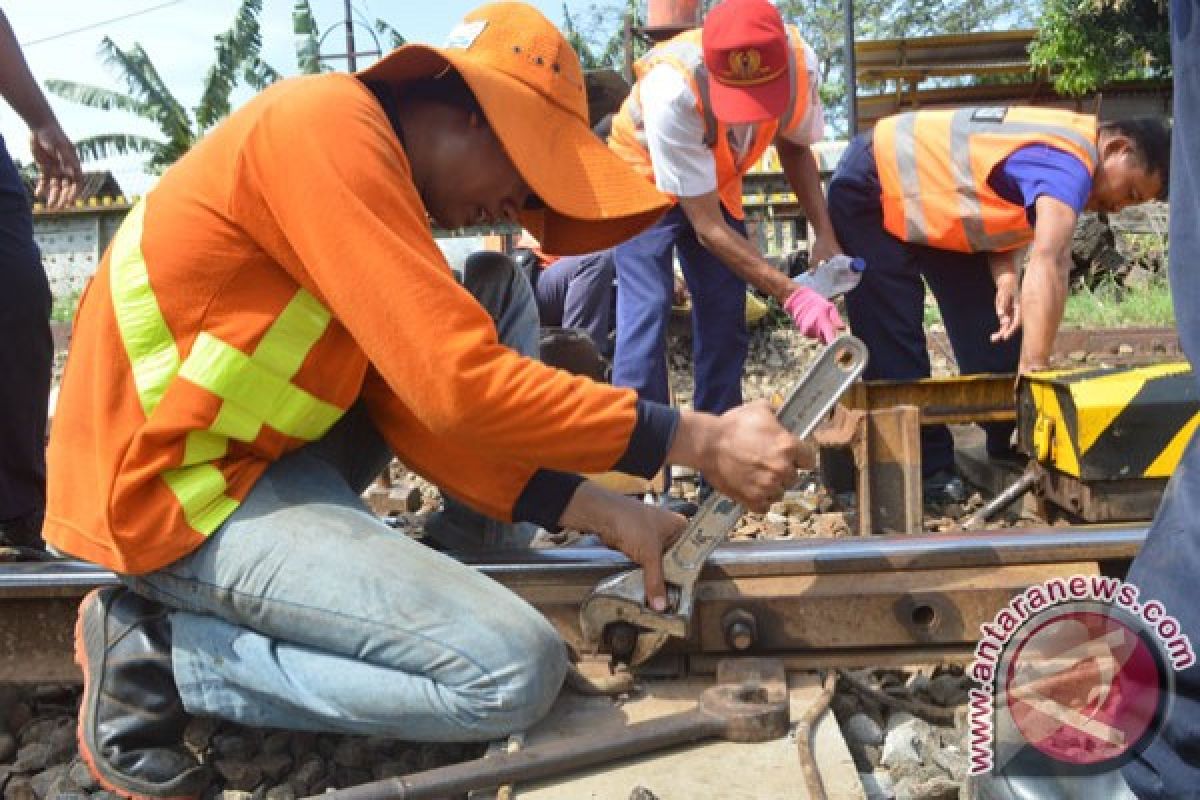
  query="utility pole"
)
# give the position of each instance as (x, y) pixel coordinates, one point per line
(352, 53)
(352, 62)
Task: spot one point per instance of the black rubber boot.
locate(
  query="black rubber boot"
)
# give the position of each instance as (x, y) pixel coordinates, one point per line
(131, 719)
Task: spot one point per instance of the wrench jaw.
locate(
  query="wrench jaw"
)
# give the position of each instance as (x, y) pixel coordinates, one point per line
(615, 616)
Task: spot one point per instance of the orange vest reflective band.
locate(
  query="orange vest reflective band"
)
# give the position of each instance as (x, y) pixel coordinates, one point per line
(254, 389)
(685, 53)
(934, 167)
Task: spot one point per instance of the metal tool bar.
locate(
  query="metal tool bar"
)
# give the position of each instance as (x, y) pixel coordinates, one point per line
(537, 762)
(752, 707)
(1014, 492)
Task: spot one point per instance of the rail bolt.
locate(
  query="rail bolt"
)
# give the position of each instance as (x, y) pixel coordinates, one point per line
(741, 629)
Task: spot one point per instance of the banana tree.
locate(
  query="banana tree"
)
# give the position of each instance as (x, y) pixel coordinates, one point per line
(236, 57)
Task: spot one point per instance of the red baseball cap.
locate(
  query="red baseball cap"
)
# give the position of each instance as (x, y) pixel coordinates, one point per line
(746, 53)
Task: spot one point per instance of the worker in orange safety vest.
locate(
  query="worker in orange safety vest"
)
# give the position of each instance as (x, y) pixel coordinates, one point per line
(953, 199)
(705, 107)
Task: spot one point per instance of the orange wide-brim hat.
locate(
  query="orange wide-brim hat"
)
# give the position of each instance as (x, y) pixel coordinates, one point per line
(529, 83)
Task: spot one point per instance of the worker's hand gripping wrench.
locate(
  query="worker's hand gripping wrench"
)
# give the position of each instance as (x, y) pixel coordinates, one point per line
(615, 612)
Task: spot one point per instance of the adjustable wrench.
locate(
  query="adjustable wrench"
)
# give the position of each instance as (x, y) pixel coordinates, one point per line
(615, 612)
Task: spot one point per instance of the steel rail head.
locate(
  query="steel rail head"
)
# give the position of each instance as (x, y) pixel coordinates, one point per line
(763, 558)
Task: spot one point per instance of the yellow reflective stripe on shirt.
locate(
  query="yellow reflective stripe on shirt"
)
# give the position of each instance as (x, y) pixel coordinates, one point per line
(295, 331)
(154, 360)
(203, 446)
(255, 390)
(281, 352)
(147, 339)
(200, 490)
(254, 394)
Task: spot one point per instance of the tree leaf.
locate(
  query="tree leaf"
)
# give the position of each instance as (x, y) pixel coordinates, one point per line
(108, 145)
(306, 38)
(97, 97)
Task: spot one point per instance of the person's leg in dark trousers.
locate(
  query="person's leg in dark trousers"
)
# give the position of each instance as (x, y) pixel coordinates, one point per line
(1167, 567)
(587, 304)
(966, 296)
(26, 359)
(720, 339)
(886, 309)
(644, 290)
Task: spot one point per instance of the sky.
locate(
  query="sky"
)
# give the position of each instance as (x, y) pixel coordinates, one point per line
(178, 36)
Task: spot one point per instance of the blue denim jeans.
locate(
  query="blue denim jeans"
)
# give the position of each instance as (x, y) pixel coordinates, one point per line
(304, 611)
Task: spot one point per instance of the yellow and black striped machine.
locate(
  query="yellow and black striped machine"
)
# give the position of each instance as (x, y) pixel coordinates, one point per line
(1107, 437)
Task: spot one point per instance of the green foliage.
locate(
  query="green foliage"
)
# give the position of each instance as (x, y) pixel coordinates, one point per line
(236, 60)
(147, 96)
(63, 307)
(1111, 305)
(109, 145)
(28, 171)
(308, 39)
(237, 52)
(1107, 305)
(599, 35)
(394, 37)
(1087, 43)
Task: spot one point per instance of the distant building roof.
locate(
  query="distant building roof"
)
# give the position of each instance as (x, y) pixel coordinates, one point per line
(920, 72)
(100, 189)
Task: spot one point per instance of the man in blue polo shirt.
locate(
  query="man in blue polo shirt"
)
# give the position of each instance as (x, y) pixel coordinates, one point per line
(949, 199)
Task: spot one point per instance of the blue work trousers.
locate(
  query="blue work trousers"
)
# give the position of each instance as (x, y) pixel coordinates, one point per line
(304, 611)
(26, 355)
(645, 287)
(1168, 567)
(887, 308)
(577, 292)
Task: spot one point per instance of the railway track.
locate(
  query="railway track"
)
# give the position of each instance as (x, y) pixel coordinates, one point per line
(862, 601)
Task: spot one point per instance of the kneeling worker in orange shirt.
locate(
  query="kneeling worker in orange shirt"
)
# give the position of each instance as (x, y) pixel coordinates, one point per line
(269, 326)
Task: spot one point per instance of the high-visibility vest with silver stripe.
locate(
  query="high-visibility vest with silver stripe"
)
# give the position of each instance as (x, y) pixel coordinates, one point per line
(685, 53)
(255, 389)
(934, 168)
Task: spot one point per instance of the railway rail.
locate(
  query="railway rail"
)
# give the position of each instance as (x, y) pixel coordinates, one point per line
(811, 603)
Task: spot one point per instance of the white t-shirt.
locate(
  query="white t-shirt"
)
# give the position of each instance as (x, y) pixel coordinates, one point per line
(683, 165)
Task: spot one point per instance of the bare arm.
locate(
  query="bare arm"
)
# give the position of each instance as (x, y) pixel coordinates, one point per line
(640, 531)
(704, 213)
(1008, 307)
(1044, 289)
(16, 81)
(53, 152)
(800, 166)
(744, 452)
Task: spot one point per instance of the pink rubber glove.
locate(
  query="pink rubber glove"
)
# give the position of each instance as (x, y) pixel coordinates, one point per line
(813, 315)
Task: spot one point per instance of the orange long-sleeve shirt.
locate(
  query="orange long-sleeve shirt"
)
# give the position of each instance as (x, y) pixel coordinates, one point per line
(305, 188)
